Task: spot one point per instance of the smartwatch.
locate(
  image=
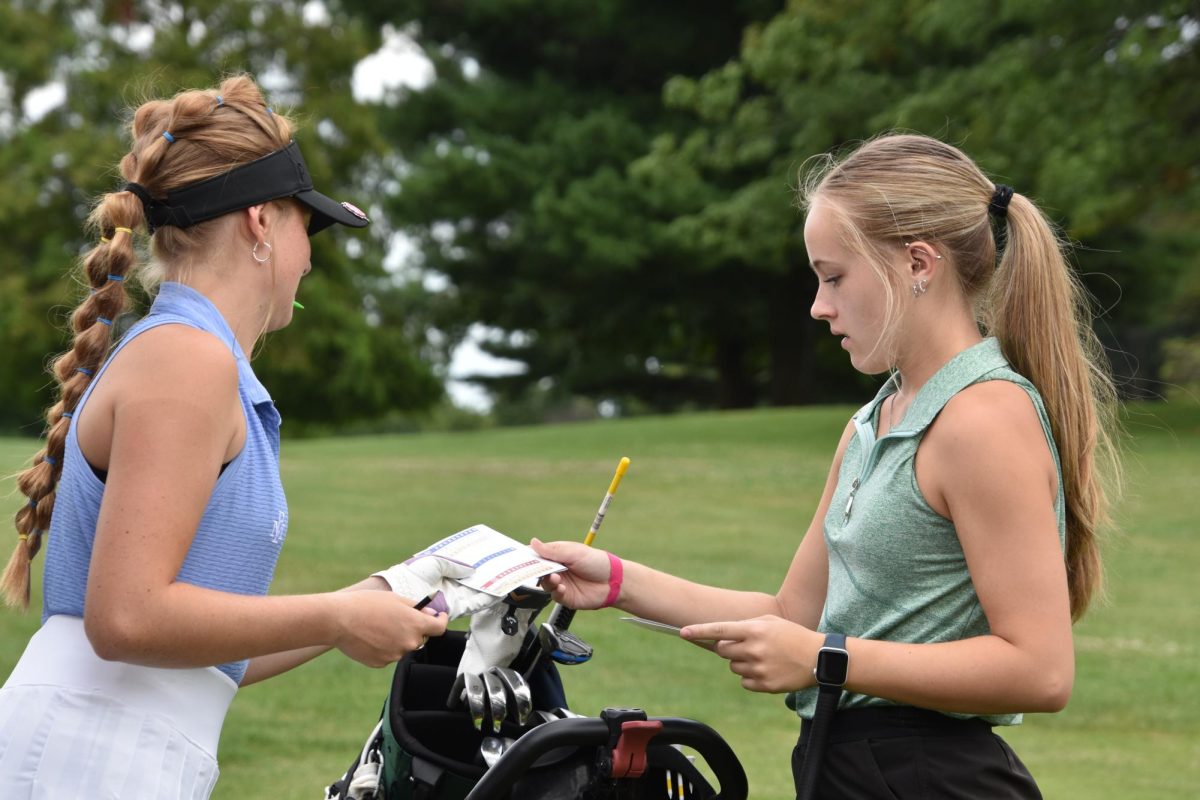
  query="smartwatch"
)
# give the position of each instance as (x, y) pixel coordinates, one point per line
(833, 661)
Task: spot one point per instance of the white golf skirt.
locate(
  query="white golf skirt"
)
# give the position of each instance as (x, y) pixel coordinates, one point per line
(73, 725)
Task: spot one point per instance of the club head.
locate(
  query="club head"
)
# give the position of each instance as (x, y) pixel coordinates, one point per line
(562, 646)
(497, 701)
(474, 690)
(542, 717)
(491, 749)
(520, 696)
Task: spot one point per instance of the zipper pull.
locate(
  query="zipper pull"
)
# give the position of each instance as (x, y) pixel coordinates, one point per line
(850, 501)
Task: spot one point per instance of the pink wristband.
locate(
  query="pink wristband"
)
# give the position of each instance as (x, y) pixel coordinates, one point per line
(615, 576)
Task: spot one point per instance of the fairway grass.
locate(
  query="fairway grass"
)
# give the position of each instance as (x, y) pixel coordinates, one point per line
(721, 498)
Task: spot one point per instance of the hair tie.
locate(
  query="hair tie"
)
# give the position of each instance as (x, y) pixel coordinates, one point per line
(270, 110)
(122, 230)
(105, 240)
(166, 135)
(104, 321)
(117, 278)
(220, 101)
(998, 205)
(68, 415)
(85, 371)
(33, 503)
(51, 460)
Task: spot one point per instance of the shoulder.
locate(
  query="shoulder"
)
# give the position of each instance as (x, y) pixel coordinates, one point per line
(992, 409)
(989, 430)
(178, 360)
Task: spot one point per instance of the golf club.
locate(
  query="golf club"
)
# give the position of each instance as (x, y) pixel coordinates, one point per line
(563, 646)
(520, 695)
(544, 716)
(491, 749)
(474, 690)
(497, 702)
(560, 616)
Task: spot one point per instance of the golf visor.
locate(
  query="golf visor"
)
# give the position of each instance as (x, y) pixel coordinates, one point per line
(271, 177)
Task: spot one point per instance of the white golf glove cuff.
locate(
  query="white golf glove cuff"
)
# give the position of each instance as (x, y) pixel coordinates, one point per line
(421, 576)
(405, 582)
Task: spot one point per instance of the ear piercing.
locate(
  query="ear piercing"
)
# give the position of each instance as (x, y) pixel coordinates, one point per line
(920, 287)
(266, 256)
(909, 244)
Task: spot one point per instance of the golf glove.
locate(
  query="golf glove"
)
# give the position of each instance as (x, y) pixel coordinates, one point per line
(498, 631)
(431, 575)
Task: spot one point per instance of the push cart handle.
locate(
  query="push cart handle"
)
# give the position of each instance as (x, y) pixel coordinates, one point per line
(594, 732)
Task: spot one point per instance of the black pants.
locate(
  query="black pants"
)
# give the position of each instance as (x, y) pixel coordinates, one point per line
(905, 753)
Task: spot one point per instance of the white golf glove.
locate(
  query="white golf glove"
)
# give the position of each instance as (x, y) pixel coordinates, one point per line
(430, 575)
(489, 645)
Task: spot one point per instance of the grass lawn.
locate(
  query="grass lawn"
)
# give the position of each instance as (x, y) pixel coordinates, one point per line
(720, 498)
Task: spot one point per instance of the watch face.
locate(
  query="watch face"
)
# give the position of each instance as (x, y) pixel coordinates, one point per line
(832, 666)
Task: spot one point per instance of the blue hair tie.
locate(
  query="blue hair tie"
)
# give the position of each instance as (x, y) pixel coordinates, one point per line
(220, 101)
(168, 137)
(33, 503)
(68, 414)
(104, 321)
(270, 110)
(85, 371)
(51, 460)
(116, 277)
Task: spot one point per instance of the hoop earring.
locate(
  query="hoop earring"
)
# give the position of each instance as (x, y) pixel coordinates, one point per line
(920, 287)
(254, 252)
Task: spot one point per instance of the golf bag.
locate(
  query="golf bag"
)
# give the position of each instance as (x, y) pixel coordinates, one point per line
(423, 750)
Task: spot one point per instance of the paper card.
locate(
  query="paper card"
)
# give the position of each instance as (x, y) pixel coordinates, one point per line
(501, 563)
(670, 630)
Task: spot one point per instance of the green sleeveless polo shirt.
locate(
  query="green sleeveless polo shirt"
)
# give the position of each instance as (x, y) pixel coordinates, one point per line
(896, 568)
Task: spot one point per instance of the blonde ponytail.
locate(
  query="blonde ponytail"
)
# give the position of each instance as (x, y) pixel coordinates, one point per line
(899, 188)
(1037, 308)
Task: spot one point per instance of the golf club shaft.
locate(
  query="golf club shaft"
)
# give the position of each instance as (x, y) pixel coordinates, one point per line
(560, 616)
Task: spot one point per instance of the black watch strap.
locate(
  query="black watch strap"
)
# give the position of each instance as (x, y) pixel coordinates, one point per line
(833, 663)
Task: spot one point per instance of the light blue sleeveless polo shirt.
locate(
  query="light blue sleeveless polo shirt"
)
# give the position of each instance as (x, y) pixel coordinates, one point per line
(897, 571)
(245, 522)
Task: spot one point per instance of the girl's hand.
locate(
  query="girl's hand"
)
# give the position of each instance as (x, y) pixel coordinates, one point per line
(770, 654)
(379, 628)
(585, 583)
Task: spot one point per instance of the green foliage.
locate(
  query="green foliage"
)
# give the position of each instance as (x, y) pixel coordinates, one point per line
(337, 362)
(625, 200)
(523, 189)
(1083, 106)
(1181, 369)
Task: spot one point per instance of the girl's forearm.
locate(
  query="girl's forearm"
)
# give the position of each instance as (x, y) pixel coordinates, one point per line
(652, 594)
(981, 675)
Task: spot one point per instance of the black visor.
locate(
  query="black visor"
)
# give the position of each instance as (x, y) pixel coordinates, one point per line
(274, 176)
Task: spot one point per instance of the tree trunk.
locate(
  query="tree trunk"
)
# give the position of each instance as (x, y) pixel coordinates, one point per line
(790, 332)
(735, 388)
